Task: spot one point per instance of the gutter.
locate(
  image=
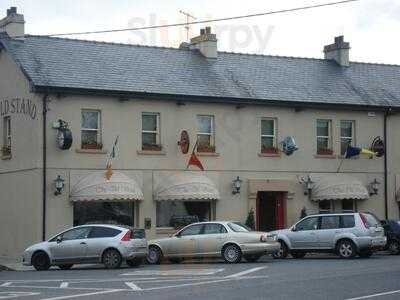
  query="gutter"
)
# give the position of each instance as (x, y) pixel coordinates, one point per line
(385, 119)
(44, 157)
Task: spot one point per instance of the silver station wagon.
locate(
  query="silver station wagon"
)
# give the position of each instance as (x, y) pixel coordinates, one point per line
(229, 240)
(106, 244)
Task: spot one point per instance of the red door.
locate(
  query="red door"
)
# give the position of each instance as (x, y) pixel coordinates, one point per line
(280, 211)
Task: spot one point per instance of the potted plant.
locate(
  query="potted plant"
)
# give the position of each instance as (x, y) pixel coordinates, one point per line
(206, 148)
(269, 150)
(325, 151)
(151, 147)
(250, 221)
(94, 146)
(6, 150)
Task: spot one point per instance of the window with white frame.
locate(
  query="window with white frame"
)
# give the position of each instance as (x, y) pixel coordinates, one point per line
(347, 136)
(205, 134)
(268, 135)
(91, 129)
(6, 150)
(151, 131)
(324, 137)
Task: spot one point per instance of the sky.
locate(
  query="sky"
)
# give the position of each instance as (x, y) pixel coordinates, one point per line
(371, 26)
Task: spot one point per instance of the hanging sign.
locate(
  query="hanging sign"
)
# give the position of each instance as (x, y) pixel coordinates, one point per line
(18, 106)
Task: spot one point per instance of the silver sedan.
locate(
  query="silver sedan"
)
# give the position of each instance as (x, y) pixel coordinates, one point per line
(229, 240)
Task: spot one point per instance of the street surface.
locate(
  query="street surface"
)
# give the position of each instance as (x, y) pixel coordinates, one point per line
(314, 277)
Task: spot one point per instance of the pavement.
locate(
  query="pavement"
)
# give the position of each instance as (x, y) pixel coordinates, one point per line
(314, 277)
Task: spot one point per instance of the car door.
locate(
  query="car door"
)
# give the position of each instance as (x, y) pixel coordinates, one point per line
(303, 235)
(213, 237)
(70, 246)
(99, 238)
(184, 242)
(329, 227)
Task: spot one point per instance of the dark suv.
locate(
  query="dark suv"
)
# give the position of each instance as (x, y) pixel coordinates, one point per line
(392, 232)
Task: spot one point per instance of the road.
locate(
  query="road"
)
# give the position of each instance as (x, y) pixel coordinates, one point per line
(314, 277)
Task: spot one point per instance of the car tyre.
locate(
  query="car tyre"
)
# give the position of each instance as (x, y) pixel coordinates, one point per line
(365, 254)
(252, 258)
(135, 262)
(176, 260)
(112, 259)
(41, 261)
(154, 255)
(232, 254)
(394, 247)
(298, 254)
(65, 267)
(346, 249)
(283, 251)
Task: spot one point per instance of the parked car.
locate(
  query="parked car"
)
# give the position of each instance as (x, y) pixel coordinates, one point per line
(346, 234)
(392, 232)
(229, 240)
(106, 244)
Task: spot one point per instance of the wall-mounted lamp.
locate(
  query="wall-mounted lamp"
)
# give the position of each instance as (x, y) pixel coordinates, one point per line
(374, 187)
(236, 185)
(308, 185)
(59, 184)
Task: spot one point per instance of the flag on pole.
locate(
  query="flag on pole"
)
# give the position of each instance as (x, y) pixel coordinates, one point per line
(354, 151)
(113, 155)
(194, 160)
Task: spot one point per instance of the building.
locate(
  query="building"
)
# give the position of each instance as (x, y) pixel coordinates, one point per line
(238, 107)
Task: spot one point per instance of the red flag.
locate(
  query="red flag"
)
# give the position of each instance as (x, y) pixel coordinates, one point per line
(194, 161)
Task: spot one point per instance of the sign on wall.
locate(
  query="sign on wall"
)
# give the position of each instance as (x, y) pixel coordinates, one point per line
(18, 106)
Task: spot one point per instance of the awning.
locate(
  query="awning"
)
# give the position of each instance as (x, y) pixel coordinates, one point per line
(337, 187)
(188, 186)
(96, 187)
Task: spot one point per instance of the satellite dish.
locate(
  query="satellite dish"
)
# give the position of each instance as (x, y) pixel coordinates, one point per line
(289, 145)
(378, 146)
(184, 142)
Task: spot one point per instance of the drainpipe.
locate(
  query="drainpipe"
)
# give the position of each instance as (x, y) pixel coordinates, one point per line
(385, 119)
(44, 105)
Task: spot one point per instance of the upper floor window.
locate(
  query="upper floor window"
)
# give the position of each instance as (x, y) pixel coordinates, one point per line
(346, 135)
(6, 149)
(205, 134)
(268, 136)
(91, 129)
(324, 137)
(151, 131)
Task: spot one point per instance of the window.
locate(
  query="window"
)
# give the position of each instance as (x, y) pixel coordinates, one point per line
(178, 214)
(268, 136)
(103, 232)
(346, 135)
(347, 221)
(91, 129)
(238, 227)
(6, 150)
(192, 230)
(324, 137)
(214, 229)
(205, 134)
(307, 224)
(330, 222)
(348, 205)
(325, 206)
(121, 213)
(76, 234)
(151, 131)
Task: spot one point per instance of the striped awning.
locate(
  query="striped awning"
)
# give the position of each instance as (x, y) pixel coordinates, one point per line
(337, 187)
(96, 187)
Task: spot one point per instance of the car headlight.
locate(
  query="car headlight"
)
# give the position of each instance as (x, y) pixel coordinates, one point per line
(272, 237)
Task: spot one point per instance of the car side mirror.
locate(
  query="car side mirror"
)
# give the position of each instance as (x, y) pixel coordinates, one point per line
(59, 239)
(294, 228)
(178, 235)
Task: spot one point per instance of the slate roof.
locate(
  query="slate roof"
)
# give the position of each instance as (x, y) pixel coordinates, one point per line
(88, 65)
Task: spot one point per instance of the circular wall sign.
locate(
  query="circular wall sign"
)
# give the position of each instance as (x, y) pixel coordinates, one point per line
(64, 138)
(184, 142)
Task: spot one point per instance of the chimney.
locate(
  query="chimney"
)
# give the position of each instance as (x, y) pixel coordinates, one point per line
(339, 51)
(206, 43)
(13, 24)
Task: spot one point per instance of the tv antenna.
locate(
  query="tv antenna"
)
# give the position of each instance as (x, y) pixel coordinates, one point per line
(187, 27)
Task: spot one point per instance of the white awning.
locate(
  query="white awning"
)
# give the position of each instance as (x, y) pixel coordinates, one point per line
(187, 186)
(96, 187)
(337, 187)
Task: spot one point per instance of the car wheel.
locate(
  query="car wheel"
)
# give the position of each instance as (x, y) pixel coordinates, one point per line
(298, 254)
(134, 262)
(232, 254)
(112, 259)
(394, 247)
(346, 249)
(154, 256)
(365, 254)
(283, 251)
(252, 258)
(41, 261)
(176, 260)
(65, 267)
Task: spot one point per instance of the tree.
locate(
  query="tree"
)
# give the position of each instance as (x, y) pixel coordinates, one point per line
(250, 221)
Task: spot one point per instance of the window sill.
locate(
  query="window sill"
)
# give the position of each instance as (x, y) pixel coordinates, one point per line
(151, 152)
(329, 156)
(91, 151)
(344, 157)
(6, 157)
(165, 230)
(269, 154)
(214, 154)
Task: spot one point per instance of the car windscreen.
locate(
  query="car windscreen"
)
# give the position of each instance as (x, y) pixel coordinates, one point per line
(371, 220)
(395, 226)
(238, 227)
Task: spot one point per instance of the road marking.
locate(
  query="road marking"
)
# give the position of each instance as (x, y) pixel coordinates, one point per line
(64, 285)
(56, 287)
(83, 295)
(6, 284)
(187, 284)
(245, 272)
(375, 295)
(179, 272)
(133, 286)
(10, 295)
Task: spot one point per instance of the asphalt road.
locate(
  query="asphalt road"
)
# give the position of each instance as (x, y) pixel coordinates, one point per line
(314, 277)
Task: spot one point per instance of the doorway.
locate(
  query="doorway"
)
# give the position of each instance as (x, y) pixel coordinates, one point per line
(270, 211)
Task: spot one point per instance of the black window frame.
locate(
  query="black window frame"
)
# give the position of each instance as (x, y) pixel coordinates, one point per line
(93, 228)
